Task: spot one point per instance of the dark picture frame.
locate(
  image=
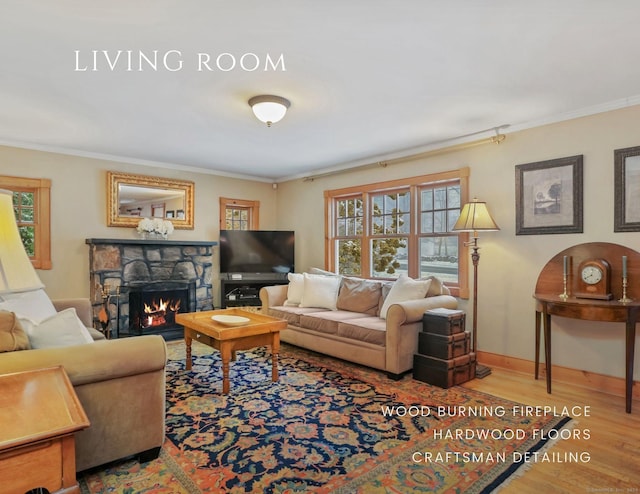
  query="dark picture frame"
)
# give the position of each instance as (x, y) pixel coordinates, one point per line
(549, 196)
(171, 214)
(626, 197)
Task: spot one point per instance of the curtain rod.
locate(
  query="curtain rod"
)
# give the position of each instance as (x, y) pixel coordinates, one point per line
(496, 139)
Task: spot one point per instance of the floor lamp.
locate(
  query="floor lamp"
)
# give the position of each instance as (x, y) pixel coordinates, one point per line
(16, 272)
(475, 217)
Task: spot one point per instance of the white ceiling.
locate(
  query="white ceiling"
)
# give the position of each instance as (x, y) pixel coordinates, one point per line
(367, 79)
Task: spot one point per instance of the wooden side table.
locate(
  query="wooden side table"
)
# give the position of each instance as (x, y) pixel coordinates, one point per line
(39, 414)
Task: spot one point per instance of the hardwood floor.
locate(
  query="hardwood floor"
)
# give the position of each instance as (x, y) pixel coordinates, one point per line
(613, 447)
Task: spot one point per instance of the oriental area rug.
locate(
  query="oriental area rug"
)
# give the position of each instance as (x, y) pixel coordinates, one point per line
(326, 426)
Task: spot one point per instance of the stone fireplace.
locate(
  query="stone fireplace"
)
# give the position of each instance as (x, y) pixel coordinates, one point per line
(144, 283)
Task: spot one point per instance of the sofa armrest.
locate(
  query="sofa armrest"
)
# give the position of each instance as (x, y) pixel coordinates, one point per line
(412, 310)
(93, 362)
(273, 296)
(81, 305)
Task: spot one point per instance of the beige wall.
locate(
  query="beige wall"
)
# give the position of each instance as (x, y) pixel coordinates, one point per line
(79, 209)
(509, 264)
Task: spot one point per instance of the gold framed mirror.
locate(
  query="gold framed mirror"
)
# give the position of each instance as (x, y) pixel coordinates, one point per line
(133, 197)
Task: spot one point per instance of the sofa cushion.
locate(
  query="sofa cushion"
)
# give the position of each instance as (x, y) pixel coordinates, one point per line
(63, 329)
(320, 291)
(368, 329)
(295, 289)
(404, 289)
(12, 336)
(292, 314)
(34, 305)
(436, 287)
(359, 295)
(328, 321)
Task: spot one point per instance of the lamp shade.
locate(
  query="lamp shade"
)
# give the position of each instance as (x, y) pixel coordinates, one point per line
(16, 271)
(475, 217)
(268, 108)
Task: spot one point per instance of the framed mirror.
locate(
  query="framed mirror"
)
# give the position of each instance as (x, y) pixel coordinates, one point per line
(133, 197)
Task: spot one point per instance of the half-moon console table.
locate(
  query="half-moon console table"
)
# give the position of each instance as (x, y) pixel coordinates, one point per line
(549, 299)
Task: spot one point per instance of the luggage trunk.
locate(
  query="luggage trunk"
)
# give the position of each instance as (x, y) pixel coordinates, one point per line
(442, 346)
(444, 372)
(443, 321)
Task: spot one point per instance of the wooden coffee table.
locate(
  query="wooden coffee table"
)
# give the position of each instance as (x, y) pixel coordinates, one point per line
(261, 330)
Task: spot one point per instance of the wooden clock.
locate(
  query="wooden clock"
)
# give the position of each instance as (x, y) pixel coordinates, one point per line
(594, 280)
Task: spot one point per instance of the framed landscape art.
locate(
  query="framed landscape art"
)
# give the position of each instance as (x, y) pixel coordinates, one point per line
(627, 190)
(549, 196)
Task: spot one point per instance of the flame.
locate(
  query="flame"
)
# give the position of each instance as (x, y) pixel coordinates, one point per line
(156, 311)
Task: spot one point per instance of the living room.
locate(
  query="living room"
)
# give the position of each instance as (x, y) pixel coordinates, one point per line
(587, 354)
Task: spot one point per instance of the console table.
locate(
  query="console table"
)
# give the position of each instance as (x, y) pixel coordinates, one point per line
(549, 287)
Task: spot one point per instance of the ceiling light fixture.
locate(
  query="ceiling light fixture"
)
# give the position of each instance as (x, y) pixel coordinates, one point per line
(268, 108)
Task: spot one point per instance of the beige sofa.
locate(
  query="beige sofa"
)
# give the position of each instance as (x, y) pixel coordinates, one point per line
(365, 338)
(120, 383)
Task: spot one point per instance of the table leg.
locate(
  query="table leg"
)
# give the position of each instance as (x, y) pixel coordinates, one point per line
(537, 344)
(225, 354)
(275, 350)
(187, 343)
(630, 350)
(547, 349)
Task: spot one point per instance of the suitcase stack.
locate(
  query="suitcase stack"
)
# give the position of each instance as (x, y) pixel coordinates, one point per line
(444, 355)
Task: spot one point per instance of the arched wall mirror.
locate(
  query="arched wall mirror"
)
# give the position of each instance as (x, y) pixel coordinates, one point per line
(133, 197)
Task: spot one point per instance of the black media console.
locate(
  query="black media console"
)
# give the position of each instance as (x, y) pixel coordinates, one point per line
(245, 292)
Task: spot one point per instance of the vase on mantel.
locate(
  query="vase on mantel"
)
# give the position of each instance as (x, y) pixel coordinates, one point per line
(153, 236)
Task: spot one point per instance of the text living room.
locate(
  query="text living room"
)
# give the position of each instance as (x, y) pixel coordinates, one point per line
(244, 252)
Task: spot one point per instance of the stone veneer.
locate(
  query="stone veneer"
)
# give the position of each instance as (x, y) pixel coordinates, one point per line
(118, 263)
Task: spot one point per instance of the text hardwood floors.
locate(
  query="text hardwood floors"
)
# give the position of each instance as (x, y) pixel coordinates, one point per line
(608, 438)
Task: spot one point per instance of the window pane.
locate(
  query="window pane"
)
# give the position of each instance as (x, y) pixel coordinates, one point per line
(404, 203)
(453, 196)
(427, 223)
(439, 257)
(389, 257)
(440, 199)
(403, 223)
(427, 200)
(342, 227)
(453, 215)
(28, 235)
(26, 215)
(440, 221)
(349, 253)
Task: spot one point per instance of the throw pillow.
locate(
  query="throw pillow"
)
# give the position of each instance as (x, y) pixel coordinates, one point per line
(63, 329)
(403, 289)
(320, 291)
(322, 272)
(295, 289)
(437, 287)
(358, 295)
(34, 305)
(12, 336)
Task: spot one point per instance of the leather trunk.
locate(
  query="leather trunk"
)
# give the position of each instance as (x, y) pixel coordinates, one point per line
(443, 346)
(444, 372)
(443, 321)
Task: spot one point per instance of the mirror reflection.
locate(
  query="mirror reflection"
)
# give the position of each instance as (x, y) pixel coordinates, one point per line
(133, 197)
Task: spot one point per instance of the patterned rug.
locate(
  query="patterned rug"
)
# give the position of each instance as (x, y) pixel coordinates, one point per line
(326, 426)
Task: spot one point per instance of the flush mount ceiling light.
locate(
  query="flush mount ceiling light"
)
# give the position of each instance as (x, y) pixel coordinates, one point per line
(268, 108)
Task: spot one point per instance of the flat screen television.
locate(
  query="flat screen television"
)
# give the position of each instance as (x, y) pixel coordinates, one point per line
(257, 251)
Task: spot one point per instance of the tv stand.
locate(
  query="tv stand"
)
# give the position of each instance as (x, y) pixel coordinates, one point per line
(245, 292)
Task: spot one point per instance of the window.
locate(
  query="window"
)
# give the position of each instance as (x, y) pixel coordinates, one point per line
(31, 204)
(237, 214)
(400, 227)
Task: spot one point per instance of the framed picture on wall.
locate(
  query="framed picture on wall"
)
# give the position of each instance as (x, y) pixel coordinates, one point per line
(626, 197)
(549, 196)
(171, 213)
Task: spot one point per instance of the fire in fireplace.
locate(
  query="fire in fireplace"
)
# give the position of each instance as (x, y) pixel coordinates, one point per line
(160, 313)
(153, 307)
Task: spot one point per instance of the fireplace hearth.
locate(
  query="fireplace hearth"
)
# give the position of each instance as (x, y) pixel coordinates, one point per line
(168, 276)
(153, 307)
